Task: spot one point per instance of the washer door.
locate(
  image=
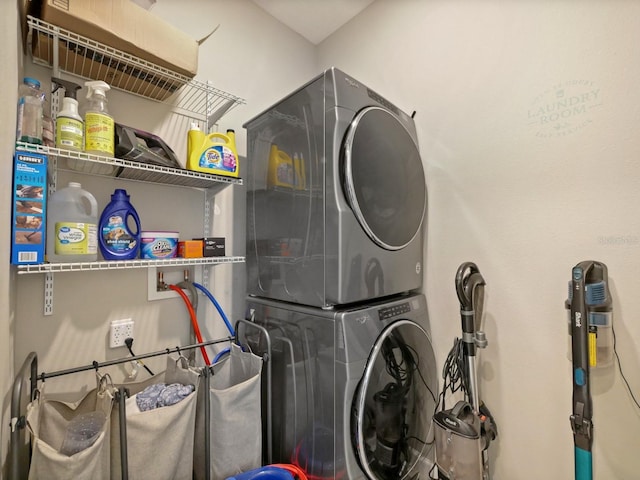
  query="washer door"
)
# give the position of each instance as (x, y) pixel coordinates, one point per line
(383, 178)
(394, 403)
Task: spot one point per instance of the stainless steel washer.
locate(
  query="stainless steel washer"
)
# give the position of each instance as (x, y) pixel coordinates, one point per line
(353, 390)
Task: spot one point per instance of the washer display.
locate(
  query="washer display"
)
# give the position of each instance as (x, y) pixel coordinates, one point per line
(352, 391)
(336, 197)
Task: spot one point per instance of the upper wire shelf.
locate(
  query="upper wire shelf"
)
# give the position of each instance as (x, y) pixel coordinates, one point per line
(93, 60)
(132, 170)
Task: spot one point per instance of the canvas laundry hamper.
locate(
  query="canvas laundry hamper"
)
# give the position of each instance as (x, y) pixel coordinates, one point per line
(159, 441)
(236, 420)
(48, 419)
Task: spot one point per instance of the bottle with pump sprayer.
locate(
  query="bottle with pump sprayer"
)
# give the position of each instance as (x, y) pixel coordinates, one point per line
(69, 123)
(99, 129)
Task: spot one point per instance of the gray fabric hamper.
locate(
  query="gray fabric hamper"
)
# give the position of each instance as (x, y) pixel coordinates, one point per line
(236, 420)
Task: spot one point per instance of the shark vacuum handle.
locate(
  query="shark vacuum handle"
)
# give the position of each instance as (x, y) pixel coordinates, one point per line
(581, 423)
(470, 289)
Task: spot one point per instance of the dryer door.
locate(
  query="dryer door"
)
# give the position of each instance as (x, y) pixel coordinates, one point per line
(394, 403)
(383, 178)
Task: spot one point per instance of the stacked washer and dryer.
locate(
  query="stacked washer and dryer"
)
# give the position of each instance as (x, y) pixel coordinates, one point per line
(336, 201)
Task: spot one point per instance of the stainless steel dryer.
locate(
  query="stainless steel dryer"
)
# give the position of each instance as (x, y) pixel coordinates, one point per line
(336, 196)
(352, 391)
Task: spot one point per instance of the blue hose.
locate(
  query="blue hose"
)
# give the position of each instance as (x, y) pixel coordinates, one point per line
(222, 353)
(217, 305)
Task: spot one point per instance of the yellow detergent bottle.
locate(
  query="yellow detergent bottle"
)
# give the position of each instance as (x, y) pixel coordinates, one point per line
(285, 171)
(214, 153)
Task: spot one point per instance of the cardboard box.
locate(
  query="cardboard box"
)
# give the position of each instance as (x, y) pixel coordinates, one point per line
(213, 246)
(124, 26)
(89, 64)
(190, 249)
(28, 221)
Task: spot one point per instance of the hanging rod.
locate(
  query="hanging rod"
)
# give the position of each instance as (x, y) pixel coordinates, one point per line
(96, 365)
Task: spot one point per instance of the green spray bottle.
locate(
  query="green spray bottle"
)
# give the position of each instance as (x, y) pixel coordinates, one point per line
(99, 127)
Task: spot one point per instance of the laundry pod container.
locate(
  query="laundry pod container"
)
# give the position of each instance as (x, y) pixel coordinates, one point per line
(160, 425)
(158, 245)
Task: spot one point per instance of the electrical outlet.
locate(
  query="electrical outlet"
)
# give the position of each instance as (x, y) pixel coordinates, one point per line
(120, 331)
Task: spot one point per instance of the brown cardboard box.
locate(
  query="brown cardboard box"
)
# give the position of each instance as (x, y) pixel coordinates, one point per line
(88, 63)
(124, 26)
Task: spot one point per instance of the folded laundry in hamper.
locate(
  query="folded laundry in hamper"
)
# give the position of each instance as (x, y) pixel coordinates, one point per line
(159, 441)
(162, 395)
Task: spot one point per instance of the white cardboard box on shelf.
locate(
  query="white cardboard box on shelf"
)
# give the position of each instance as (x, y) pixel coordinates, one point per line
(29, 208)
(124, 26)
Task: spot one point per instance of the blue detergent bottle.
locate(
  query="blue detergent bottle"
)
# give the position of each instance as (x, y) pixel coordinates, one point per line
(116, 237)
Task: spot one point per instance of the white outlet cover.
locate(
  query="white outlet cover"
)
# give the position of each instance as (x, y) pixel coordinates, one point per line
(120, 331)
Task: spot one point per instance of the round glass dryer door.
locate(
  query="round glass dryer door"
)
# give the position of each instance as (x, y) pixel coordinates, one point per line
(394, 403)
(384, 178)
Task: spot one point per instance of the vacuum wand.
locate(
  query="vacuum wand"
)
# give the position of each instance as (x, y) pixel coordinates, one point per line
(470, 289)
(588, 298)
(582, 409)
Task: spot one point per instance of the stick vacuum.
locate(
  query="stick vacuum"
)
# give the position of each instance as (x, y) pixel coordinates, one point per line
(589, 300)
(464, 432)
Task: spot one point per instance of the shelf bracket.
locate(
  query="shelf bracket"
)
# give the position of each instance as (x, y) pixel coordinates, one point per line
(48, 293)
(209, 203)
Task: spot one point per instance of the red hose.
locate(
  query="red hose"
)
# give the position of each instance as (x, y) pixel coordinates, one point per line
(194, 321)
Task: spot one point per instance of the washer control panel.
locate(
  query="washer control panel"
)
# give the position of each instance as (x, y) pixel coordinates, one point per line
(394, 311)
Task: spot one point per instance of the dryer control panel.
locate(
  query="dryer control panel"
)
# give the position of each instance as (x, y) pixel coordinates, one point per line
(394, 311)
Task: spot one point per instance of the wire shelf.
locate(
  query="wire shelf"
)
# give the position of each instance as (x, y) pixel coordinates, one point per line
(124, 264)
(89, 59)
(131, 170)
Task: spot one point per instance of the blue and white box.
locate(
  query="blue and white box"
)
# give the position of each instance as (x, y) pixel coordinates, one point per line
(28, 222)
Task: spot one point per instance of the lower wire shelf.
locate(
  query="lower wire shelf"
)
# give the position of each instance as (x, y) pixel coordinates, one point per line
(124, 264)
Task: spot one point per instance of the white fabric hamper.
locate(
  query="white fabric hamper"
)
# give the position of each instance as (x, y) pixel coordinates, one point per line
(236, 420)
(47, 420)
(159, 441)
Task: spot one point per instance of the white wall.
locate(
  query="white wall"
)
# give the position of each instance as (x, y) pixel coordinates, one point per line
(523, 196)
(8, 98)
